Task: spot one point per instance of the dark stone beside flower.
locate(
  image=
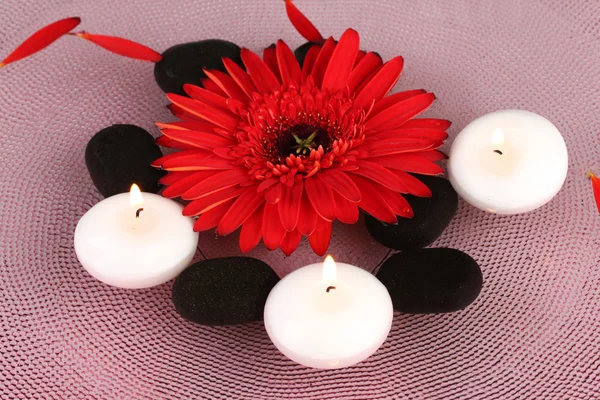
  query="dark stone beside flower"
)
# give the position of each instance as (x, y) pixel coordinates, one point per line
(301, 51)
(224, 291)
(119, 156)
(184, 63)
(429, 281)
(431, 217)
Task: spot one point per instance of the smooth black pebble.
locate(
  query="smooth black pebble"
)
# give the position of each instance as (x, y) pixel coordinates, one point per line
(184, 63)
(431, 217)
(119, 156)
(431, 281)
(224, 291)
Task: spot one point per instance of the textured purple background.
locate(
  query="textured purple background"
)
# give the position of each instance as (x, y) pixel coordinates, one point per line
(534, 331)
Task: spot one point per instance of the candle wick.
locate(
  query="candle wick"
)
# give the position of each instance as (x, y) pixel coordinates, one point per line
(498, 151)
(137, 213)
(329, 288)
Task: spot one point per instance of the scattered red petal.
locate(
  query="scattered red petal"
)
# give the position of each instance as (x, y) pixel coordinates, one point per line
(595, 188)
(302, 24)
(122, 47)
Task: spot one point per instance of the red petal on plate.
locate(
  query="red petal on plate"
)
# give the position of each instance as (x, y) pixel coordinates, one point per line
(372, 203)
(432, 123)
(251, 230)
(309, 61)
(211, 218)
(321, 197)
(216, 182)
(173, 177)
(423, 133)
(202, 140)
(122, 47)
(207, 203)
(41, 39)
(345, 211)
(213, 87)
(320, 238)
(270, 58)
(341, 183)
(165, 141)
(240, 76)
(432, 155)
(370, 63)
(273, 194)
(413, 185)
(320, 65)
(308, 216)
(342, 61)
(290, 242)
(409, 162)
(227, 84)
(181, 155)
(359, 56)
(389, 101)
(181, 186)
(264, 79)
(288, 65)
(289, 206)
(197, 165)
(378, 174)
(399, 113)
(595, 188)
(381, 84)
(218, 117)
(239, 212)
(396, 202)
(272, 230)
(205, 96)
(302, 24)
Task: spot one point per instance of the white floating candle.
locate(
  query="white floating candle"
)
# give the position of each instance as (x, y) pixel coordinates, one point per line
(508, 162)
(135, 241)
(328, 315)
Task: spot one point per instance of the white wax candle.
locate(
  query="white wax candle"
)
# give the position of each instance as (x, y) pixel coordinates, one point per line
(135, 241)
(508, 162)
(328, 315)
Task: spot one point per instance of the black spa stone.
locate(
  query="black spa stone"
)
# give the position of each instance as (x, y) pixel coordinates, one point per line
(431, 217)
(431, 281)
(224, 291)
(119, 156)
(184, 63)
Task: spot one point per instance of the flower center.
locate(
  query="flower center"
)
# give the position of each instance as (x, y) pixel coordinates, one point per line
(301, 138)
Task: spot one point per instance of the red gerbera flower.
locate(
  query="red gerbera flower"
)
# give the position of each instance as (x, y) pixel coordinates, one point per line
(282, 151)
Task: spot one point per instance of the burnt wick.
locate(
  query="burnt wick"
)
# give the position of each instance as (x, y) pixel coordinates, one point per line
(329, 288)
(498, 151)
(137, 213)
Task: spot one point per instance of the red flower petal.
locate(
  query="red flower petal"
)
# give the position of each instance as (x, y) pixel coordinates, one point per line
(321, 197)
(320, 238)
(211, 218)
(595, 188)
(370, 63)
(372, 203)
(389, 101)
(240, 76)
(400, 145)
(381, 84)
(302, 24)
(182, 114)
(251, 230)
(290, 242)
(423, 133)
(122, 47)
(262, 76)
(218, 117)
(341, 183)
(165, 141)
(196, 165)
(243, 207)
(207, 203)
(205, 96)
(432, 155)
(181, 186)
(396, 202)
(227, 84)
(409, 162)
(213, 87)
(216, 182)
(378, 174)
(273, 195)
(359, 56)
(267, 183)
(398, 113)
(41, 39)
(173, 177)
(413, 185)
(433, 123)
(288, 65)
(272, 230)
(187, 125)
(201, 140)
(309, 61)
(320, 66)
(289, 206)
(179, 156)
(341, 62)
(270, 58)
(345, 211)
(308, 220)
